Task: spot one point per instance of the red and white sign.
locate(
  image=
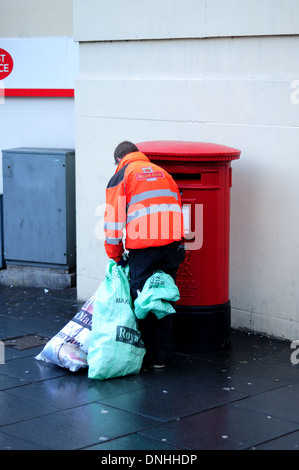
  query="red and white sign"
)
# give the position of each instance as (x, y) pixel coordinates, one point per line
(6, 64)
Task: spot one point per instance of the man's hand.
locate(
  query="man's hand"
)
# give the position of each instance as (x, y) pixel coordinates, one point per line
(123, 262)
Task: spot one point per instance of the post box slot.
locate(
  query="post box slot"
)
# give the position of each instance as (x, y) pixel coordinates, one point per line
(188, 177)
(206, 179)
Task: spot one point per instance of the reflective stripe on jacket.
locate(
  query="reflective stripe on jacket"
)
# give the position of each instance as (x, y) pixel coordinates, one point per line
(144, 199)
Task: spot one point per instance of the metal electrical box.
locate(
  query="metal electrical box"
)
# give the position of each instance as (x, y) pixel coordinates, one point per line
(39, 207)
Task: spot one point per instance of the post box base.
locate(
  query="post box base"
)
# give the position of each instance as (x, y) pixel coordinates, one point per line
(202, 329)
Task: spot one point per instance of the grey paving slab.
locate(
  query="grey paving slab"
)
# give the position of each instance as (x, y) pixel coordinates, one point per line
(29, 369)
(240, 398)
(176, 399)
(249, 378)
(288, 442)
(33, 322)
(74, 390)
(245, 347)
(7, 382)
(179, 366)
(17, 326)
(281, 403)
(12, 353)
(13, 295)
(12, 410)
(8, 442)
(53, 308)
(32, 310)
(223, 428)
(134, 442)
(79, 427)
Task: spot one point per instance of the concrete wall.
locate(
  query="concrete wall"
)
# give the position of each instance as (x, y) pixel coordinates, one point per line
(201, 71)
(36, 18)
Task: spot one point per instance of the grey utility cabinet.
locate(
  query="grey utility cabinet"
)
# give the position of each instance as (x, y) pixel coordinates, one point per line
(39, 207)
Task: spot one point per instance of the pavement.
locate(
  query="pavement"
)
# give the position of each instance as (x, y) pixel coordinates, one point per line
(237, 399)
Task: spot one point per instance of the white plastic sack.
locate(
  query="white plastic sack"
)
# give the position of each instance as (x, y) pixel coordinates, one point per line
(69, 347)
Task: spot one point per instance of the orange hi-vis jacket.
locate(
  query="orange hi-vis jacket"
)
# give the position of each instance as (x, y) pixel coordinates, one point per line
(143, 199)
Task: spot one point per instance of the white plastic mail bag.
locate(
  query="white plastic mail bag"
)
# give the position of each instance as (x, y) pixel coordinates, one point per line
(69, 347)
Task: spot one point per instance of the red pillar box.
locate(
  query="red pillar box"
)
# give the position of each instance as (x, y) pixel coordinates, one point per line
(203, 174)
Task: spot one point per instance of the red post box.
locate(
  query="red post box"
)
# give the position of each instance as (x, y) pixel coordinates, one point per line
(203, 174)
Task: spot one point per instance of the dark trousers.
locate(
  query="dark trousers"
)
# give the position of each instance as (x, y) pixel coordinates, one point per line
(156, 334)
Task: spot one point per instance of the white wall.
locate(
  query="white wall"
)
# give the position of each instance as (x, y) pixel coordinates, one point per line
(39, 63)
(98, 20)
(203, 71)
(42, 62)
(36, 18)
(38, 36)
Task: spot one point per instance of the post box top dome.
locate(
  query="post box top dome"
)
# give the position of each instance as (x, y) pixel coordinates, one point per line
(194, 151)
